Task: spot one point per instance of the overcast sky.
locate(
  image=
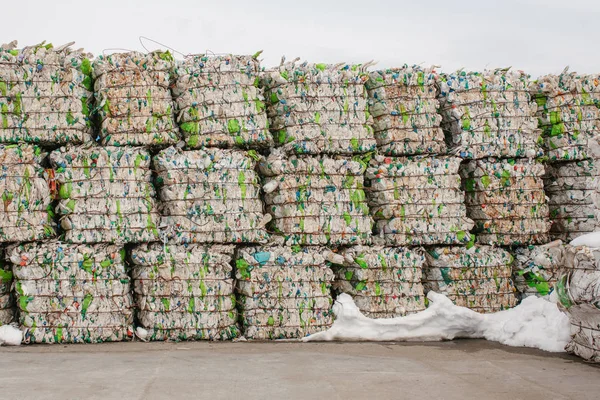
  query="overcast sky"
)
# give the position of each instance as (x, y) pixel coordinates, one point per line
(538, 36)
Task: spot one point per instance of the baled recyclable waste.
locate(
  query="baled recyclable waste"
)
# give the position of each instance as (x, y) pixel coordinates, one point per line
(210, 196)
(417, 201)
(133, 99)
(536, 269)
(405, 111)
(319, 108)
(46, 94)
(478, 277)
(106, 194)
(219, 102)
(283, 292)
(7, 301)
(316, 200)
(506, 199)
(385, 282)
(72, 293)
(184, 292)
(27, 212)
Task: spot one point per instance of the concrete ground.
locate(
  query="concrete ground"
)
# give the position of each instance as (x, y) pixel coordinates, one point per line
(462, 369)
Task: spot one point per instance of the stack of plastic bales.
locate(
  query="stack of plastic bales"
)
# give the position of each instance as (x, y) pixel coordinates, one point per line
(46, 94)
(185, 292)
(283, 292)
(210, 196)
(536, 268)
(316, 200)
(319, 108)
(106, 194)
(72, 293)
(385, 282)
(506, 200)
(7, 303)
(219, 102)
(579, 292)
(26, 213)
(404, 107)
(478, 277)
(134, 100)
(417, 201)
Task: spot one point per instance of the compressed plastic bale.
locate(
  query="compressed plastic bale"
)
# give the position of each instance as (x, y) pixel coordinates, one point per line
(46, 94)
(134, 100)
(568, 115)
(219, 102)
(506, 200)
(489, 114)
(72, 293)
(404, 107)
(7, 303)
(579, 282)
(537, 268)
(417, 200)
(478, 277)
(585, 332)
(210, 196)
(319, 108)
(283, 292)
(184, 292)
(26, 213)
(106, 194)
(316, 200)
(385, 282)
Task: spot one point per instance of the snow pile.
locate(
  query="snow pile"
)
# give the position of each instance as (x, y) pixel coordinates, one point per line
(106, 194)
(10, 336)
(489, 114)
(46, 94)
(319, 108)
(316, 200)
(219, 102)
(210, 195)
(68, 293)
(133, 99)
(506, 200)
(537, 268)
(574, 198)
(7, 302)
(385, 282)
(417, 200)
(26, 212)
(184, 292)
(283, 292)
(536, 323)
(478, 277)
(569, 116)
(404, 106)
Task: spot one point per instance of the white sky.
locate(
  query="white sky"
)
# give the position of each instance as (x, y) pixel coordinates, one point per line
(538, 36)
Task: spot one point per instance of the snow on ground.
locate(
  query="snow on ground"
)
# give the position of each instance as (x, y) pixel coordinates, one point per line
(10, 336)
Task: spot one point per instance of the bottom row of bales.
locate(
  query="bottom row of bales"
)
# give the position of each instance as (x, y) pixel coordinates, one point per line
(73, 293)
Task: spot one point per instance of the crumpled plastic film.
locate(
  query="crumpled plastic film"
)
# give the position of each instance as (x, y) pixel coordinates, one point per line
(133, 99)
(489, 114)
(404, 107)
(185, 292)
(7, 302)
(569, 116)
(537, 268)
(385, 282)
(283, 292)
(506, 200)
(106, 194)
(316, 200)
(219, 102)
(319, 108)
(26, 212)
(580, 279)
(585, 332)
(573, 197)
(72, 293)
(478, 277)
(417, 200)
(45, 94)
(210, 195)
